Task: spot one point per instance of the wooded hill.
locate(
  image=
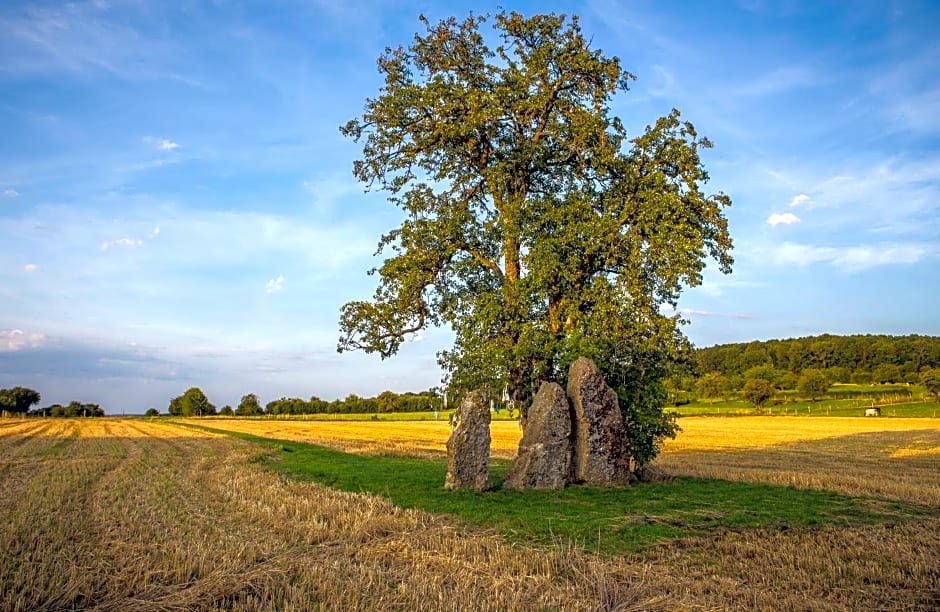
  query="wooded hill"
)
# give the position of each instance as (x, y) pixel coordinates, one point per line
(857, 359)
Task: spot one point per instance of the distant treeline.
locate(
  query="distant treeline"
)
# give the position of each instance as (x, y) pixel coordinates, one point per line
(856, 359)
(387, 401)
(20, 400)
(74, 409)
(195, 403)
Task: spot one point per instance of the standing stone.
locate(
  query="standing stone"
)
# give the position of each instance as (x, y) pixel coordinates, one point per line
(600, 451)
(468, 448)
(544, 458)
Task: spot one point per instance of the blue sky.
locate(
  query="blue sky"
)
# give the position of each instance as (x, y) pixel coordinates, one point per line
(177, 206)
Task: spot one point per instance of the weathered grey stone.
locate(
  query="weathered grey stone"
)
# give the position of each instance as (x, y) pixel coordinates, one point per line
(544, 458)
(653, 474)
(468, 448)
(599, 436)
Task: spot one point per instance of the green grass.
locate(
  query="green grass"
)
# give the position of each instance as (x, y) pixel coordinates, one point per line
(609, 520)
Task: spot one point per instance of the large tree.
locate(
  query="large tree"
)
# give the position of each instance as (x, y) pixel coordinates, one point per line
(18, 399)
(192, 403)
(534, 227)
(249, 406)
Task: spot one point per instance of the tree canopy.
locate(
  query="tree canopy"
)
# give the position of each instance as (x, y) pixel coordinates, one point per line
(533, 225)
(18, 399)
(192, 403)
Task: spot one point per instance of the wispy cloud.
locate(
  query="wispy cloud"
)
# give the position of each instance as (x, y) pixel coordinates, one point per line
(275, 284)
(154, 232)
(782, 219)
(127, 243)
(776, 81)
(12, 340)
(10, 193)
(851, 258)
(31, 267)
(799, 200)
(668, 309)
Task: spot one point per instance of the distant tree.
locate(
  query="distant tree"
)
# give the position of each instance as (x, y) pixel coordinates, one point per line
(764, 371)
(192, 403)
(249, 406)
(713, 386)
(930, 378)
(152, 412)
(813, 383)
(758, 391)
(886, 373)
(787, 381)
(176, 406)
(226, 410)
(18, 399)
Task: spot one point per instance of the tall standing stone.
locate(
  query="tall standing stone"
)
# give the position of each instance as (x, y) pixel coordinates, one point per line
(468, 448)
(544, 458)
(599, 436)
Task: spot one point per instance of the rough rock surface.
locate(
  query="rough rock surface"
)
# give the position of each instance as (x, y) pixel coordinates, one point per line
(599, 436)
(544, 458)
(654, 474)
(468, 448)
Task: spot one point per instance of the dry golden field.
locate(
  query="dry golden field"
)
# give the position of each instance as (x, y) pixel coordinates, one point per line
(138, 514)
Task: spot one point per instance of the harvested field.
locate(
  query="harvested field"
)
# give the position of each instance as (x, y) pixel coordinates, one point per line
(891, 458)
(145, 514)
(414, 438)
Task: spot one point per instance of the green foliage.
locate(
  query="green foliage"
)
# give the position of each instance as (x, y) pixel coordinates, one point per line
(788, 381)
(192, 403)
(18, 399)
(758, 391)
(386, 402)
(249, 406)
(930, 378)
(533, 227)
(886, 373)
(813, 383)
(152, 412)
(226, 410)
(73, 409)
(843, 358)
(713, 386)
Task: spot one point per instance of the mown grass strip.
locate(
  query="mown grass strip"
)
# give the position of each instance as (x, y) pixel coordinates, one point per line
(608, 520)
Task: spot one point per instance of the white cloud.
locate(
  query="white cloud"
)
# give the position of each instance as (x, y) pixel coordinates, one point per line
(782, 219)
(161, 143)
(800, 199)
(128, 243)
(668, 309)
(275, 284)
(10, 193)
(852, 258)
(155, 232)
(12, 340)
(31, 268)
